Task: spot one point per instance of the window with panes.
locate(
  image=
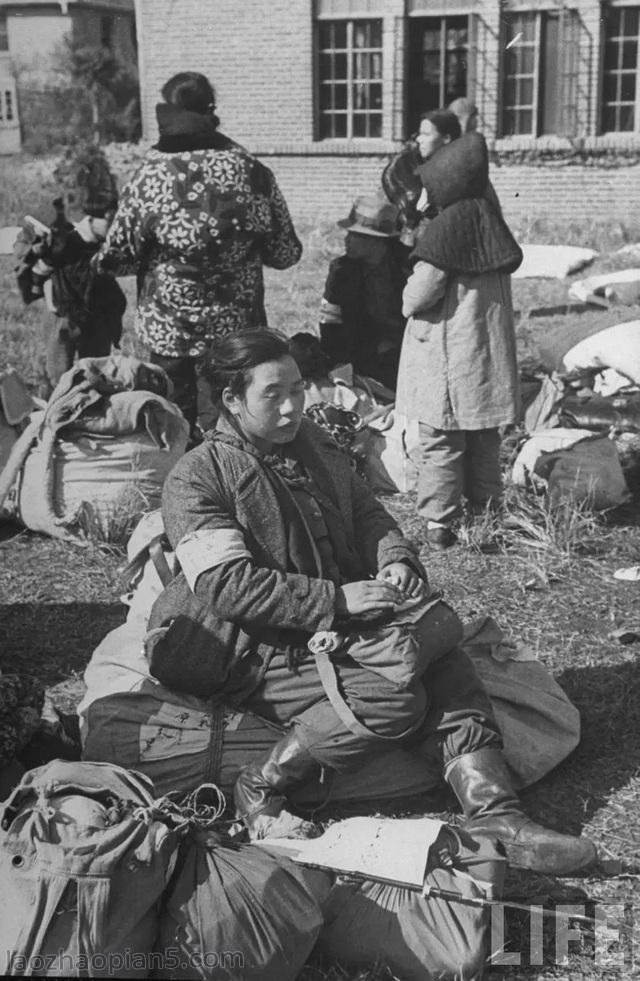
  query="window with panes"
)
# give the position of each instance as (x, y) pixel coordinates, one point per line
(539, 72)
(349, 78)
(4, 33)
(620, 70)
(7, 107)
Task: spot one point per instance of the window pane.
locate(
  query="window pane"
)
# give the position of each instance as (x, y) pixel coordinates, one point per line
(526, 58)
(340, 126)
(610, 55)
(375, 34)
(524, 122)
(361, 96)
(431, 69)
(629, 54)
(510, 92)
(325, 34)
(360, 35)
(628, 87)
(508, 122)
(525, 93)
(326, 97)
(631, 21)
(610, 88)
(524, 24)
(376, 65)
(375, 96)
(375, 124)
(340, 66)
(359, 124)
(626, 118)
(326, 67)
(431, 40)
(340, 96)
(609, 119)
(456, 38)
(614, 21)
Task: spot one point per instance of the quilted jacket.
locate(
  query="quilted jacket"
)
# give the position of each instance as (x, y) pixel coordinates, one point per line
(196, 226)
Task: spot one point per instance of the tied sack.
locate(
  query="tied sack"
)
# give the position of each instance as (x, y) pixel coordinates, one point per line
(84, 860)
(235, 912)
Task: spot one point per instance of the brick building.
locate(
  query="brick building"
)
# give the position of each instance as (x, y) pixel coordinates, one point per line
(32, 35)
(324, 90)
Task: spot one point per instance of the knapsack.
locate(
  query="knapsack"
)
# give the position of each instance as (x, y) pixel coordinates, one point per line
(85, 855)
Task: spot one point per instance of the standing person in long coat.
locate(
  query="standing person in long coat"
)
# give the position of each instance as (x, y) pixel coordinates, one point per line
(458, 373)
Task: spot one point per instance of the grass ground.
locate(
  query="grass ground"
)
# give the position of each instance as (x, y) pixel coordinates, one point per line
(550, 583)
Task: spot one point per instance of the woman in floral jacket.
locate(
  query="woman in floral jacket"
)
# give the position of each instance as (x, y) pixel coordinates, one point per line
(196, 224)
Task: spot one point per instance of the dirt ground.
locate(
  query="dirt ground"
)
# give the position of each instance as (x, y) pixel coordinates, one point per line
(554, 591)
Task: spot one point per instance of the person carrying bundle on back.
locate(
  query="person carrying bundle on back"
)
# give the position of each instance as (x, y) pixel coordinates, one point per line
(85, 307)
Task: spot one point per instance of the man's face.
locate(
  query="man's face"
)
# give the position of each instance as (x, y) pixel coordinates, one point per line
(270, 411)
(429, 139)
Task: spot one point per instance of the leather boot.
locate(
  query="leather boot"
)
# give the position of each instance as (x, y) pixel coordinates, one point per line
(258, 792)
(482, 783)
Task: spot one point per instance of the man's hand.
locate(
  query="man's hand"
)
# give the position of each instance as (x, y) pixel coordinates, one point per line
(368, 596)
(410, 585)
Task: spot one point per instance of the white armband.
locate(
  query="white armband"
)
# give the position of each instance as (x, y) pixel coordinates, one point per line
(207, 548)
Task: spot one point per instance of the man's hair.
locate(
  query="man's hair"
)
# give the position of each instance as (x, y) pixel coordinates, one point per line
(446, 122)
(190, 90)
(306, 351)
(231, 359)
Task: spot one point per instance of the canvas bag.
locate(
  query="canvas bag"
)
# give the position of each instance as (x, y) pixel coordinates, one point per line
(420, 938)
(539, 724)
(84, 859)
(235, 912)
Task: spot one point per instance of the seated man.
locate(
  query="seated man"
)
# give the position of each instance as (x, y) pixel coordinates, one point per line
(278, 541)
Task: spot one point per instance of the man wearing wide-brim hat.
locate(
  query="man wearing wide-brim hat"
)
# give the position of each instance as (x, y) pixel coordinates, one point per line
(361, 318)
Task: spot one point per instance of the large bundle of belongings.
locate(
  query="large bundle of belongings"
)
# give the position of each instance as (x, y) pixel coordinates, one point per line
(583, 421)
(180, 740)
(104, 878)
(98, 452)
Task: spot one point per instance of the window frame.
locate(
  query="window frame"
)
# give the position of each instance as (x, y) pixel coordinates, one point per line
(4, 31)
(619, 71)
(8, 107)
(567, 71)
(351, 80)
(534, 107)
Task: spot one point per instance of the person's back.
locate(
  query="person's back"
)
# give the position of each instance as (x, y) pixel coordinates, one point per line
(196, 224)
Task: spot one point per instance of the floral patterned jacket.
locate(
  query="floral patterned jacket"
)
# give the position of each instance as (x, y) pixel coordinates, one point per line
(196, 226)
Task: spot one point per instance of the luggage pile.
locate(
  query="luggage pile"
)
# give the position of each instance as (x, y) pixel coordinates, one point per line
(583, 421)
(102, 878)
(98, 454)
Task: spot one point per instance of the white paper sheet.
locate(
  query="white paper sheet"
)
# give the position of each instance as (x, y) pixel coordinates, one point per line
(396, 849)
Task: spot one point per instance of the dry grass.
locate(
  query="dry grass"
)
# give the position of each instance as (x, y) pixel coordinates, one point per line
(549, 582)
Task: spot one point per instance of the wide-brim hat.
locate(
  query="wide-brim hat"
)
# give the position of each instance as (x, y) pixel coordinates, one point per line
(372, 214)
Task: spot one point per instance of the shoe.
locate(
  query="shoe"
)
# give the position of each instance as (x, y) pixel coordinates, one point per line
(440, 538)
(482, 783)
(258, 792)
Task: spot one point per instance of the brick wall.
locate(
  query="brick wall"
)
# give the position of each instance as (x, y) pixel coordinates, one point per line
(259, 58)
(316, 186)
